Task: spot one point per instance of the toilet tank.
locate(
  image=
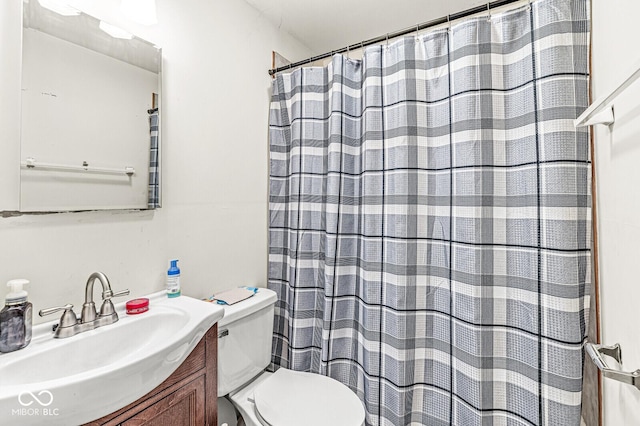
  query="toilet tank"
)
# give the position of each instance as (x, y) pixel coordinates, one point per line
(244, 340)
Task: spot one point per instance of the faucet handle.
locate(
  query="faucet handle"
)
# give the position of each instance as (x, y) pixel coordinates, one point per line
(107, 308)
(67, 319)
(109, 294)
(49, 311)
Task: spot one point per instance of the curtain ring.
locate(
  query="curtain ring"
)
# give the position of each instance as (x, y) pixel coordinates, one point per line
(488, 11)
(387, 40)
(417, 31)
(448, 23)
(348, 47)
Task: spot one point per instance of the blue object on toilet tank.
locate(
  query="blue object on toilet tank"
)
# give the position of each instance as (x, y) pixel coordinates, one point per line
(253, 289)
(235, 298)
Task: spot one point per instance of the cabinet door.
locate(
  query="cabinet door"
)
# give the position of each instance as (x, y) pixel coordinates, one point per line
(184, 407)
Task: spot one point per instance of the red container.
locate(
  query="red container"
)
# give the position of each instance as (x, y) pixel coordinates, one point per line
(137, 306)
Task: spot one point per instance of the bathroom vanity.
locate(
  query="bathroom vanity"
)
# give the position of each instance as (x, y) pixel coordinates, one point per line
(161, 366)
(187, 397)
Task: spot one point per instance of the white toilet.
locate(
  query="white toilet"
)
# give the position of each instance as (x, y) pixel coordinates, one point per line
(283, 398)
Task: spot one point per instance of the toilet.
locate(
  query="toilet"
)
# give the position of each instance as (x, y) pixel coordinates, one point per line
(283, 398)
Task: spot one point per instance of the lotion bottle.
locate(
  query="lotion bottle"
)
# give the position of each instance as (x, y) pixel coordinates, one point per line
(16, 318)
(173, 280)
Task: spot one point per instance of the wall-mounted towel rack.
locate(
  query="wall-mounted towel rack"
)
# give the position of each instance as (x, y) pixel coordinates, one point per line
(31, 163)
(596, 351)
(601, 111)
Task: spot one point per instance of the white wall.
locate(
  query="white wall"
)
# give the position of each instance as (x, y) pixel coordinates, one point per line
(214, 135)
(615, 40)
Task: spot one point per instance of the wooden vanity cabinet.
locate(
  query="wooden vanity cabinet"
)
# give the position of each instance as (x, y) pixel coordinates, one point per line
(188, 397)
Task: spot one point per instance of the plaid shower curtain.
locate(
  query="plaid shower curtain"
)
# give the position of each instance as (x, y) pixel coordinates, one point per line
(429, 235)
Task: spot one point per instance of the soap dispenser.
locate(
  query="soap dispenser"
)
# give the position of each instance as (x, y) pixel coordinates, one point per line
(15, 318)
(173, 280)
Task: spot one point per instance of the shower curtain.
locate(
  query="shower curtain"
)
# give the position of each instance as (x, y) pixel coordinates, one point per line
(429, 235)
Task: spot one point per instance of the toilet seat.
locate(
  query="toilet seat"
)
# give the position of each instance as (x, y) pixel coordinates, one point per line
(294, 398)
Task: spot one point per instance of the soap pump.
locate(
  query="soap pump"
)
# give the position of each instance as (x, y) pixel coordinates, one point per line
(15, 318)
(173, 280)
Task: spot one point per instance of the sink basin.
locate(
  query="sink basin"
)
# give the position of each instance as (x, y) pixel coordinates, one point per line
(84, 377)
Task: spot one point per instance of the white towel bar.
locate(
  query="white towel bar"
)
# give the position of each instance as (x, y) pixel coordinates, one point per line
(31, 163)
(600, 112)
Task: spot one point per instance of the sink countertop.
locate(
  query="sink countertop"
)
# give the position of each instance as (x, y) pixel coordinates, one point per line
(80, 378)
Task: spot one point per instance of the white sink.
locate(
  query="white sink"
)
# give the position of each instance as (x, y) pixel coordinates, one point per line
(81, 378)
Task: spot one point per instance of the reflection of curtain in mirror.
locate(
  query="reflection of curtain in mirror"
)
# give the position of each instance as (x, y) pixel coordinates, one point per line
(154, 164)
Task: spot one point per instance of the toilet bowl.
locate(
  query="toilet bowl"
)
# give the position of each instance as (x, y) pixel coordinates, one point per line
(283, 398)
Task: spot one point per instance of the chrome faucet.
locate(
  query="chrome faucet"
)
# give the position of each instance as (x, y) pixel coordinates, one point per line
(70, 325)
(107, 309)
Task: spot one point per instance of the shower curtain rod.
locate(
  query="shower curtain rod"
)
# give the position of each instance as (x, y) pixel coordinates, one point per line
(432, 23)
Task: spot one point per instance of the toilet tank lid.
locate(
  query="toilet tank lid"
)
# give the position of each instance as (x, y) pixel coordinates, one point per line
(263, 298)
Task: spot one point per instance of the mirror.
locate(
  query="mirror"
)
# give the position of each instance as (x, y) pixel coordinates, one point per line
(90, 100)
